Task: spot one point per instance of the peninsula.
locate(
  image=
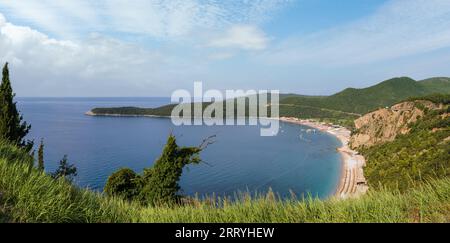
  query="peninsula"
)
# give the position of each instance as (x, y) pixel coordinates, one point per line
(335, 114)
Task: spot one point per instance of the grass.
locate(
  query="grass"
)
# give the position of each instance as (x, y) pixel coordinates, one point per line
(429, 203)
(28, 195)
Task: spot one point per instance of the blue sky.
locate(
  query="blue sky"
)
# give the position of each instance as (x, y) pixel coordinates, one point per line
(153, 47)
(309, 16)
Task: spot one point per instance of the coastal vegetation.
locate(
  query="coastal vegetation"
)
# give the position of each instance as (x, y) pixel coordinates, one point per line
(341, 108)
(65, 170)
(386, 93)
(12, 127)
(41, 163)
(135, 111)
(29, 195)
(420, 154)
(409, 176)
(157, 185)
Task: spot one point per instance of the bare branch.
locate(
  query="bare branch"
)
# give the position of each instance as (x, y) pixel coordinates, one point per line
(207, 141)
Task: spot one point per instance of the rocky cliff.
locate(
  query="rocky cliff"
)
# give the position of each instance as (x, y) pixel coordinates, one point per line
(386, 124)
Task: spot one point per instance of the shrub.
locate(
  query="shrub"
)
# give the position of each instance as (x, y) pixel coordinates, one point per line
(123, 184)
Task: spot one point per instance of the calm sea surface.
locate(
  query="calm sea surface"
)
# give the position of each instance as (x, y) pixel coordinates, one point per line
(240, 160)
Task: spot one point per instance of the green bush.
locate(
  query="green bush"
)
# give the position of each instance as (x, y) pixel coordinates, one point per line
(124, 184)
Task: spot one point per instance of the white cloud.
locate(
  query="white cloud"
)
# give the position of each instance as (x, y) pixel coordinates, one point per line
(155, 18)
(93, 66)
(242, 37)
(398, 29)
(177, 41)
(2, 20)
(63, 48)
(60, 18)
(65, 44)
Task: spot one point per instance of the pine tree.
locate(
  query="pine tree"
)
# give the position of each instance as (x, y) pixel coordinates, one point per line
(161, 181)
(12, 129)
(65, 170)
(41, 156)
(159, 184)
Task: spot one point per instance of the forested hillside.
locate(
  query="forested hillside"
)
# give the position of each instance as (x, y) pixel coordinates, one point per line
(384, 94)
(418, 154)
(341, 108)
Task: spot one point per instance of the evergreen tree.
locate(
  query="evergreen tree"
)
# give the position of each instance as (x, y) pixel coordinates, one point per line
(158, 185)
(12, 129)
(161, 181)
(41, 156)
(65, 170)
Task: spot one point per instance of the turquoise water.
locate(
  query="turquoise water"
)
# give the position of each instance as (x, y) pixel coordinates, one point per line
(240, 160)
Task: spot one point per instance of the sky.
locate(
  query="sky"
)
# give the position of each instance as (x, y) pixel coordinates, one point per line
(83, 48)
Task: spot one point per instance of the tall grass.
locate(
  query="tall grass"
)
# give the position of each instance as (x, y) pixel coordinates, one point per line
(429, 203)
(28, 195)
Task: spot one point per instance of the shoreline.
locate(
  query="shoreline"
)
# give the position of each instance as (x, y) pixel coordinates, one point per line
(352, 182)
(90, 113)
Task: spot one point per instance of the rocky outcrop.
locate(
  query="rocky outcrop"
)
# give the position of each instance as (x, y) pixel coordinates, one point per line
(386, 124)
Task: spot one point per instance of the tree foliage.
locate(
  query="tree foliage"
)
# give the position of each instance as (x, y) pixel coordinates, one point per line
(158, 185)
(41, 156)
(341, 108)
(161, 185)
(12, 127)
(124, 183)
(420, 155)
(65, 170)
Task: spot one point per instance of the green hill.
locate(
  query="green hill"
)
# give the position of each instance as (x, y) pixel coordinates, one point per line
(421, 154)
(384, 94)
(436, 85)
(134, 111)
(341, 108)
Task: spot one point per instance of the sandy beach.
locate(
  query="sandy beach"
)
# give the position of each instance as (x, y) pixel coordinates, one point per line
(352, 183)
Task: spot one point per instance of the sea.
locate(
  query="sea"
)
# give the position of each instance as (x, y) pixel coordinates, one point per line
(297, 162)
